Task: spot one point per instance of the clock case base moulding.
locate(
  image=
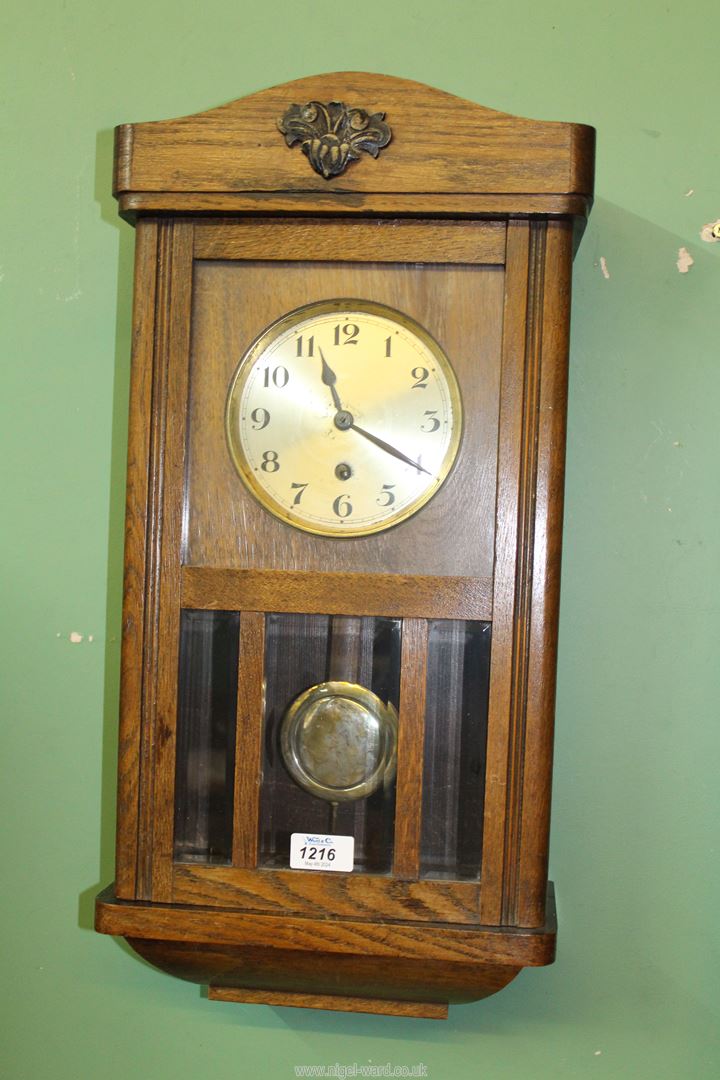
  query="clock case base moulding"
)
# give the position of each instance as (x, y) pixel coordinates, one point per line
(457, 186)
(395, 968)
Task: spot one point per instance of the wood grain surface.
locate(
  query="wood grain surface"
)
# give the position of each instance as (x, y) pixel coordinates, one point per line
(428, 1010)
(411, 745)
(441, 144)
(534, 786)
(396, 240)
(351, 204)
(506, 563)
(248, 740)
(336, 977)
(337, 593)
(526, 565)
(163, 643)
(430, 941)
(350, 895)
(137, 543)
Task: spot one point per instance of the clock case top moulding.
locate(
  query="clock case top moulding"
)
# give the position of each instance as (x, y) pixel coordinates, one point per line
(526, 186)
(447, 156)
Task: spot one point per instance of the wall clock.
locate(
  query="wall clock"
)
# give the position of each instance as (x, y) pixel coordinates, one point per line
(344, 509)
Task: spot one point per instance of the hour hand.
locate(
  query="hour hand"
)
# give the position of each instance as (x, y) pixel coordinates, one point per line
(330, 378)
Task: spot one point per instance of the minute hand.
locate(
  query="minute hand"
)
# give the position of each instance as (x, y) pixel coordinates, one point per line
(388, 448)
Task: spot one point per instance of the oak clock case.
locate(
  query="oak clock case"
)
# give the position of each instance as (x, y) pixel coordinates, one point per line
(342, 543)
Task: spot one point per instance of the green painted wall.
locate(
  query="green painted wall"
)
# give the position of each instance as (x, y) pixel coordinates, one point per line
(635, 989)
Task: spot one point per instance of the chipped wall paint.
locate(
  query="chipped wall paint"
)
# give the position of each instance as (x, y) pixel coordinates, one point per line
(684, 260)
(710, 233)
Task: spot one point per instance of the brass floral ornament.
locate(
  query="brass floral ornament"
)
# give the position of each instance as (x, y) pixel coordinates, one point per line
(332, 135)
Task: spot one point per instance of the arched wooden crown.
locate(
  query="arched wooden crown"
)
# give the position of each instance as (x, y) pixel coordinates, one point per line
(447, 155)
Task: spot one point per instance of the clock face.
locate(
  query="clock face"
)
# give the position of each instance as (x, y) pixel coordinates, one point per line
(344, 417)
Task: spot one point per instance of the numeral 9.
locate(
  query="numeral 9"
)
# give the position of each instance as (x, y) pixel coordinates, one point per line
(260, 418)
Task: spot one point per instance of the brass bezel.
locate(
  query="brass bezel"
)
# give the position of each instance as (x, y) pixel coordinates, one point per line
(270, 334)
(387, 720)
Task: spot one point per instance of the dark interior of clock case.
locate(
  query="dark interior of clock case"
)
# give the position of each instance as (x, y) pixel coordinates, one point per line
(302, 651)
(205, 754)
(455, 742)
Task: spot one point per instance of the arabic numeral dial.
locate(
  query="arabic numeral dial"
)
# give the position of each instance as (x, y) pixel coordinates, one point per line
(343, 418)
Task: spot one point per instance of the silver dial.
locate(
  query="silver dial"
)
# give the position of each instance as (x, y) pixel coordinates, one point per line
(344, 417)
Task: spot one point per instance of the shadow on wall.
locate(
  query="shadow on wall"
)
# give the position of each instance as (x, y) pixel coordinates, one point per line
(639, 612)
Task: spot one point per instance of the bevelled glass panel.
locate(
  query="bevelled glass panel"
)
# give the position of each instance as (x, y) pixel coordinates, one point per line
(205, 753)
(302, 651)
(456, 710)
